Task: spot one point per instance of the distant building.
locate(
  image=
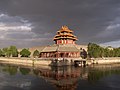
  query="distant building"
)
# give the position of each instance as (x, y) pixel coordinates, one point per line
(108, 47)
(65, 46)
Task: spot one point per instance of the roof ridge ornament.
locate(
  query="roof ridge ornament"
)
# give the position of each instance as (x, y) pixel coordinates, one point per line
(65, 27)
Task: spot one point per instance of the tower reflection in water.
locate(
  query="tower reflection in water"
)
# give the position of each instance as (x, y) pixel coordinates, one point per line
(63, 77)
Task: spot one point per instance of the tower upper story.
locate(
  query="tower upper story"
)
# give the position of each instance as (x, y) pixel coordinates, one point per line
(65, 36)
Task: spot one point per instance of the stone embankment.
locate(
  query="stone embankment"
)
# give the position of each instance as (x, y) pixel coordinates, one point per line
(40, 62)
(106, 60)
(25, 61)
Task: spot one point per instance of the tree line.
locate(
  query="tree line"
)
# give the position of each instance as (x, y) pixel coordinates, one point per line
(94, 50)
(97, 51)
(12, 51)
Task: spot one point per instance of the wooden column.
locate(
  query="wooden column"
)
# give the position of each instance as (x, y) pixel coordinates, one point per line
(64, 54)
(57, 53)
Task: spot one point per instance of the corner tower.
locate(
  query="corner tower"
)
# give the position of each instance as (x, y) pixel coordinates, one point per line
(65, 36)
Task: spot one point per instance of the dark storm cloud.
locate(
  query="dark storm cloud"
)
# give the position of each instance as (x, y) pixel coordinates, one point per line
(92, 20)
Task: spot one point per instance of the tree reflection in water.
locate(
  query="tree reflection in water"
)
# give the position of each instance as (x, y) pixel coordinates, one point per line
(96, 74)
(12, 70)
(24, 71)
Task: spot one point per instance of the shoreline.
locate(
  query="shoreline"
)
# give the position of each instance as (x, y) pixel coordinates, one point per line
(45, 63)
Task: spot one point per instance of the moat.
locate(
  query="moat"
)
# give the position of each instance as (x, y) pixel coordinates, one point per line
(97, 77)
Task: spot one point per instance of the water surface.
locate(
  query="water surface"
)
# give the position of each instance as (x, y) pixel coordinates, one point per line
(99, 77)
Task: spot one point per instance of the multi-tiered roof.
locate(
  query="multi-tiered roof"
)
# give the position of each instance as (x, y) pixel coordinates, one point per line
(64, 47)
(65, 34)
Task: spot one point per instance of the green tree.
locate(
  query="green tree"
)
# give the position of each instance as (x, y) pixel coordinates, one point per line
(1, 53)
(116, 52)
(111, 53)
(8, 53)
(25, 53)
(36, 53)
(101, 52)
(94, 50)
(105, 52)
(5, 52)
(14, 51)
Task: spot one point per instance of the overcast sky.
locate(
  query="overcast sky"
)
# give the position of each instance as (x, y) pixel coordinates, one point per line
(27, 23)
